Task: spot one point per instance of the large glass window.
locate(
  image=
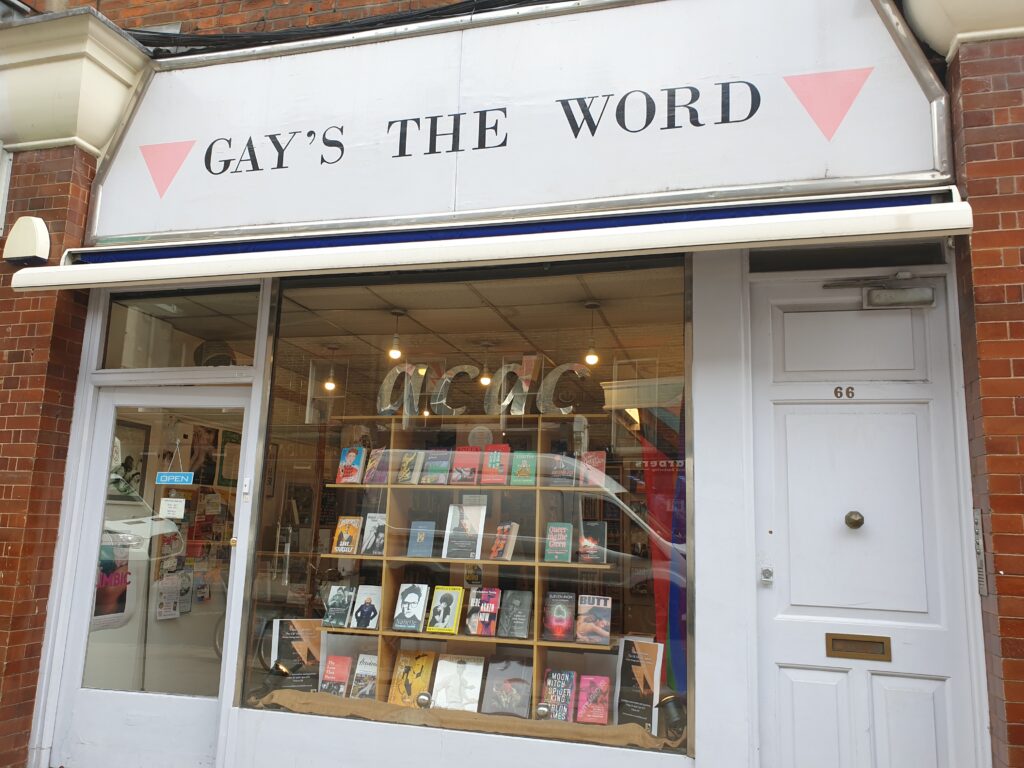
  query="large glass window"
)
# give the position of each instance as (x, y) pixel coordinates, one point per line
(473, 511)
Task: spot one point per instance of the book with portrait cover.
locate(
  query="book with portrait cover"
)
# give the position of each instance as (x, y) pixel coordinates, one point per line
(411, 608)
(464, 532)
(490, 605)
(350, 465)
(594, 693)
(339, 606)
(296, 644)
(376, 472)
(346, 535)
(504, 541)
(445, 610)
(516, 614)
(496, 463)
(559, 616)
(592, 468)
(558, 543)
(593, 541)
(435, 468)
(508, 688)
(421, 539)
(336, 674)
(374, 530)
(559, 693)
(524, 468)
(366, 611)
(466, 465)
(638, 682)
(594, 619)
(457, 682)
(364, 680)
(413, 670)
(408, 466)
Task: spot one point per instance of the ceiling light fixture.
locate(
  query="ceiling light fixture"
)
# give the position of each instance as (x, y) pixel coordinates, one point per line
(330, 383)
(485, 377)
(591, 357)
(396, 351)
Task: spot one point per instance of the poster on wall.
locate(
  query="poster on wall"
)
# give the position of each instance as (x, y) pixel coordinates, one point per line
(203, 454)
(128, 461)
(228, 463)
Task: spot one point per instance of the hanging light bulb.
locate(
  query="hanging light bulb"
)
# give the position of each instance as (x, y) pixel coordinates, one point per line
(485, 377)
(330, 384)
(591, 356)
(396, 351)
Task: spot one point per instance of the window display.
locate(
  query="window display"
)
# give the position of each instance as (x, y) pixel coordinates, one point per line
(487, 530)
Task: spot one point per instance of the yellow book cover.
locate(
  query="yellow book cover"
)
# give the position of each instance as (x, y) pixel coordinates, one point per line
(411, 677)
(445, 610)
(346, 535)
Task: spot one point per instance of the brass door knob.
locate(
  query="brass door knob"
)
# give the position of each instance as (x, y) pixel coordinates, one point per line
(854, 520)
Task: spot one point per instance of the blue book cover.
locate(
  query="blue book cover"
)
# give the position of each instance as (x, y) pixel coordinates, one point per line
(421, 539)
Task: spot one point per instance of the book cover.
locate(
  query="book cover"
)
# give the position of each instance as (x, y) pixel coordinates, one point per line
(594, 619)
(339, 606)
(350, 465)
(504, 541)
(421, 539)
(413, 670)
(464, 532)
(558, 543)
(516, 614)
(336, 674)
(366, 612)
(445, 610)
(374, 530)
(296, 644)
(524, 468)
(435, 467)
(376, 472)
(408, 467)
(558, 469)
(411, 608)
(364, 679)
(559, 693)
(472, 610)
(490, 604)
(637, 685)
(559, 616)
(592, 468)
(593, 699)
(592, 545)
(458, 682)
(466, 465)
(496, 463)
(508, 688)
(346, 535)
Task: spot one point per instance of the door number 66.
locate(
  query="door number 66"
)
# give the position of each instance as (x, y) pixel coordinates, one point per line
(841, 392)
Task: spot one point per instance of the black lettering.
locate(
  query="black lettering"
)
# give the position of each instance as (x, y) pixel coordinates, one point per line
(454, 133)
(224, 164)
(620, 112)
(280, 150)
(755, 101)
(335, 143)
(248, 156)
(585, 106)
(403, 134)
(483, 128)
(673, 106)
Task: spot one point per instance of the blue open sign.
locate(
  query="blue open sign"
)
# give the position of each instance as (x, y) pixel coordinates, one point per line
(174, 478)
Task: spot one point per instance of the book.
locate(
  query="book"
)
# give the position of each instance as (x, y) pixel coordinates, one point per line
(638, 681)
(435, 468)
(592, 467)
(466, 465)
(376, 472)
(472, 610)
(336, 674)
(374, 530)
(339, 606)
(346, 535)
(490, 604)
(516, 614)
(558, 543)
(464, 532)
(558, 469)
(504, 541)
(296, 644)
(559, 693)
(408, 467)
(412, 674)
(524, 468)
(421, 539)
(364, 679)
(411, 608)
(594, 619)
(593, 699)
(508, 688)
(457, 682)
(445, 610)
(592, 545)
(496, 462)
(351, 464)
(366, 611)
(559, 616)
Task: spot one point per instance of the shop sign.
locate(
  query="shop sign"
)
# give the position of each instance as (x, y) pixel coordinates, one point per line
(174, 478)
(670, 98)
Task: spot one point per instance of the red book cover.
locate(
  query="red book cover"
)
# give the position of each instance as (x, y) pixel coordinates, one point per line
(592, 467)
(593, 699)
(466, 466)
(490, 602)
(497, 458)
(336, 673)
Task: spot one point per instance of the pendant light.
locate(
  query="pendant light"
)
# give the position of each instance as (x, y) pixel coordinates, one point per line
(485, 377)
(330, 383)
(591, 357)
(396, 351)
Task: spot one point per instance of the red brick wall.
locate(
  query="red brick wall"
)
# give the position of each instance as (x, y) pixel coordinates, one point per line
(40, 348)
(986, 83)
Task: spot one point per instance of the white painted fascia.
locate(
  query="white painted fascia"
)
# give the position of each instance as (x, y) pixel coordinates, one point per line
(946, 24)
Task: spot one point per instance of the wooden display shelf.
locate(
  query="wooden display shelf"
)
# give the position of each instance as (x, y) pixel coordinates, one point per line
(561, 645)
(457, 638)
(478, 487)
(404, 559)
(578, 566)
(355, 485)
(333, 555)
(351, 631)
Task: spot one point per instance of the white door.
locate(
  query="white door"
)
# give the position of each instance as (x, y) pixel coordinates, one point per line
(862, 534)
(143, 675)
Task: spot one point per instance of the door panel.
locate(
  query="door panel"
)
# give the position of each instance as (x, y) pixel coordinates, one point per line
(816, 706)
(911, 722)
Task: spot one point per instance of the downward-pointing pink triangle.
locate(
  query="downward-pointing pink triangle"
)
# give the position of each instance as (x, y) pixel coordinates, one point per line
(828, 96)
(164, 161)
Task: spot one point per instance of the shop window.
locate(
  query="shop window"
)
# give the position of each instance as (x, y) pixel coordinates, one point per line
(182, 329)
(473, 510)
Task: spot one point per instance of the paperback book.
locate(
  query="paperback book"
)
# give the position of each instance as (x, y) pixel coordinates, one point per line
(594, 619)
(351, 464)
(411, 608)
(413, 670)
(496, 463)
(407, 470)
(336, 674)
(559, 693)
(366, 612)
(504, 541)
(592, 468)
(464, 532)
(516, 614)
(558, 469)
(558, 543)
(296, 644)
(436, 465)
(637, 686)
(489, 606)
(376, 472)
(421, 539)
(593, 699)
(559, 615)
(374, 529)
(346, 535)
(445, 610)
(339, 606)
(364, 679)
(524, 468)
(466, 465)
(592, 546)
(457, 682)
(508, 688)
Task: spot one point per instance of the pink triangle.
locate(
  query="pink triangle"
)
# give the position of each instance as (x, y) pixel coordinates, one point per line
(164, 161)
(828, 96)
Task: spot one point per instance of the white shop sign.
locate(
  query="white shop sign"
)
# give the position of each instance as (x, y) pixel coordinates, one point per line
(670, 97)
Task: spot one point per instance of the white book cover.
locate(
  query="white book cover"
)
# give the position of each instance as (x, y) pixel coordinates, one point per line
(464, 532)
(457, 682)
